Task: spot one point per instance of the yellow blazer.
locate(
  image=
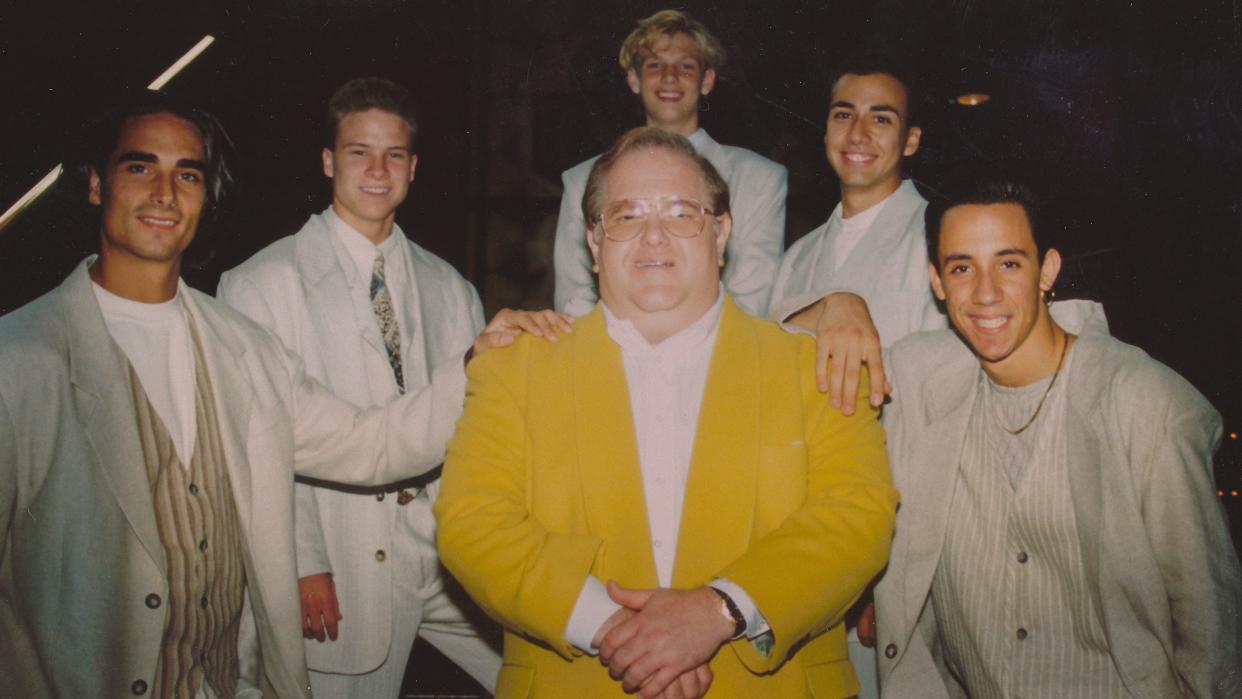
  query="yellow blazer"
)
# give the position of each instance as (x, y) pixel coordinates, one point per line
(786, 497)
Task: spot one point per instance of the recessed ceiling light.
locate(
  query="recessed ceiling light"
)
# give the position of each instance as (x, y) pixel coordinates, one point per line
(973, 99)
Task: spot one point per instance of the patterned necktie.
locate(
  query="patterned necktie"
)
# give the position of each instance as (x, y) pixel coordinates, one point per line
(381, 303)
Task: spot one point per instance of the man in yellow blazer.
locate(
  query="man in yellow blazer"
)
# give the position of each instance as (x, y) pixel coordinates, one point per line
(664, 487)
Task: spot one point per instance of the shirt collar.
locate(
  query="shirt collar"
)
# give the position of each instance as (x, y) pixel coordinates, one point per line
(360, 249)
(863, 219)
(110, 304)
(684, 343)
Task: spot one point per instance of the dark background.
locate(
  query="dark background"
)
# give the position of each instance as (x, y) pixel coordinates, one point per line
(1129, 110)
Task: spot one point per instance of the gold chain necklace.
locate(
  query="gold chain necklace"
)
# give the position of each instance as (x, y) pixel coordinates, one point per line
(1053, 382)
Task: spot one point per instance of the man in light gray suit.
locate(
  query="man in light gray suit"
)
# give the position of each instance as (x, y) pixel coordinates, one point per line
(1059, 532)
(369, 576)
(671, 62)
(872, 245)
(149, 436)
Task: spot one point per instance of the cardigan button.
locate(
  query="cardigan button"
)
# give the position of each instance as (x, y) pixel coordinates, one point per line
(138, 687)
(890, 651)
(153, 601)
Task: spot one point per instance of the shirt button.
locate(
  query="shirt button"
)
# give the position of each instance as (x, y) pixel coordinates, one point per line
(1022, 557)
(890, 651)
(202, 545)
(380, 555)
(202, 602)
(193, 489)
(153, 601)
(379, 496)
(657, 544)
(1022, 634)
(138, 687)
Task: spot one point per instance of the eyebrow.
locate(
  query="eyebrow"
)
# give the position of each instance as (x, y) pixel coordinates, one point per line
(958, 256)
(872, 108)
(364, 144)
(130, 156)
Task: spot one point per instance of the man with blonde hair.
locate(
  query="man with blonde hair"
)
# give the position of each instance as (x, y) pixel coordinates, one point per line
(671, 61)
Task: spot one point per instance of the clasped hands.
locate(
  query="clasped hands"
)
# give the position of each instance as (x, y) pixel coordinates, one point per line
(660, 641)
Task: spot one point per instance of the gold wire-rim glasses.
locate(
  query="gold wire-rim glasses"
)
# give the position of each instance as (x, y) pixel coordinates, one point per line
(627, 219)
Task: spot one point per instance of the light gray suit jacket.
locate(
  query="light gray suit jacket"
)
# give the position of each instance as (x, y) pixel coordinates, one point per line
(1155, 545)
(757, 188)
(80, 549)
(297, 288)
(888, 269)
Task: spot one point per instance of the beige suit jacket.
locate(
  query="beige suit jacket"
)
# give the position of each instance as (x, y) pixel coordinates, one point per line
(1155, 545)
(80, 556)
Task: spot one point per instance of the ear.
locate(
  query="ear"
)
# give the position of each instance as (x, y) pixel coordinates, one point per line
(327, 163)
(631, 77)
(593, 246)
(913, 134)
(724, 226)
(413, 164)
(708, 82)
(937, 287)
(1049, 270)
(94, 192)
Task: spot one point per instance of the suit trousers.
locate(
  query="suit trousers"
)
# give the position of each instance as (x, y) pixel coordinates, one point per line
(419, 585)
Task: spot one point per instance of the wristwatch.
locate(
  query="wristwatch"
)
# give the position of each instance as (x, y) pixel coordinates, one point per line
(730, 611)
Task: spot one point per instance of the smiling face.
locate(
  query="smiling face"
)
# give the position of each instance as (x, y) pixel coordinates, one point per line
(659, 282)
(152, 192)
(868, 136)
(990, 280)
(371, 167)
(669, 79)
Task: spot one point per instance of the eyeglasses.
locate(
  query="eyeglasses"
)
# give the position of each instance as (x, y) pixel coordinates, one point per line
(627, 219)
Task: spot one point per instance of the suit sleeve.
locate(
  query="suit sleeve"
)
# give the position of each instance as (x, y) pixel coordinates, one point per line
(805, 574)
(19, 671)
(242, 294)
(574, 291)
(521, 574)
(1196, 558)
(754, 248)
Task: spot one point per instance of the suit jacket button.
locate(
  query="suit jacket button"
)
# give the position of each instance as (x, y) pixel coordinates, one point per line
(380, 555)
(153, 601)
(138, 687)
(379, 496)
(890, 651)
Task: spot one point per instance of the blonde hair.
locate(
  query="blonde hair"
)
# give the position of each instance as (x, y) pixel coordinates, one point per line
(668, 23)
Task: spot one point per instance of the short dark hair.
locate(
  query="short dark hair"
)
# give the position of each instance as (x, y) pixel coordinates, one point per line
(650, 137)
(104, 133)
(361, 94)
(984, 183)
(882, 64)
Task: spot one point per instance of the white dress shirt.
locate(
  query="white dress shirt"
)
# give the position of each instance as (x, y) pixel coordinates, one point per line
(665, 382)
(362, 252)
(155, 337)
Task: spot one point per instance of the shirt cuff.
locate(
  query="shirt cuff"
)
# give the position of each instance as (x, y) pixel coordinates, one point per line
(592, 609)
(756, 624)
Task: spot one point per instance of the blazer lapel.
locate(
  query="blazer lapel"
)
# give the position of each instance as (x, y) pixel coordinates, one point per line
(223, 357)
(950, 399)
(612, 486)
(715, 154)
(415, 309)
(338, 310)
(106, 409)
(719, 508)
